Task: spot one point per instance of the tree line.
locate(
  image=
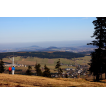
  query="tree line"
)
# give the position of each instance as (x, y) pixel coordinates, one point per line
(67, 55)
(46, 73)
(37, 66)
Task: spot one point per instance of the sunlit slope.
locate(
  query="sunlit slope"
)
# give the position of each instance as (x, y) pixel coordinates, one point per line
(7, 80)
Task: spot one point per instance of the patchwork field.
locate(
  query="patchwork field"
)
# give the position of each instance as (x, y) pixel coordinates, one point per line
(36, 81)
(49, 62)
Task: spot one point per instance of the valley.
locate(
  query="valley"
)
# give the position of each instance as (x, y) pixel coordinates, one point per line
(70, 67)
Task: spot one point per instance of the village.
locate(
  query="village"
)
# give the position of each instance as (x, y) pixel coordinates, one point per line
(78, 71)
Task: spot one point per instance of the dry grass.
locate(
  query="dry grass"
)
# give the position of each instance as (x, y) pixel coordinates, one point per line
(7, 80)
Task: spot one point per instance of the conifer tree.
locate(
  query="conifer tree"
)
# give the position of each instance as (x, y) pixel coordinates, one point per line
(2, 69)
(58, 68)
(98, 63)
(28, 72)
(38, 70)
(46, 73)
(66, 76)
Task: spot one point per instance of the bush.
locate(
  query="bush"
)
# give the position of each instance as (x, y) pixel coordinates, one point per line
(46, 73)
(2, 66)
(38, 70)
(28, 72)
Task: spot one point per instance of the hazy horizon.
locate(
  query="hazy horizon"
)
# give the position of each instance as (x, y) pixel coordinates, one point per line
(18, 32)
(45, 44)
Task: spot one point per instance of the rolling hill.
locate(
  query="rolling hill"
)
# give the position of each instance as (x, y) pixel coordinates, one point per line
(34, 48)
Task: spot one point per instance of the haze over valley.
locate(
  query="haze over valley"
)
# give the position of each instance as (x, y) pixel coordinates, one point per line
(73, 46)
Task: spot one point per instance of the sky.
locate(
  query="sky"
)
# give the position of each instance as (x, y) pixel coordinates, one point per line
(42, 29)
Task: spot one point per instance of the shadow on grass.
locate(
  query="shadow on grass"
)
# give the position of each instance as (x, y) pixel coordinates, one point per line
(72, 86)
(19, 86)
(96, 81)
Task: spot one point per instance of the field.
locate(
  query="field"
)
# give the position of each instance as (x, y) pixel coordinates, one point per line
(17, 80)
(49, 62)
(7, 80)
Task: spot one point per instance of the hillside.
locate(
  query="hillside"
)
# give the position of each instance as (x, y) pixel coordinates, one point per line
(49, 55)
(65, 63)
(7, 80)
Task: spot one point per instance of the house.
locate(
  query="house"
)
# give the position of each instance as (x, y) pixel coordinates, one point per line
(73, 69)
(67, 69)
(25, 66)
(8, 65)
(79, 71)
(84, 74)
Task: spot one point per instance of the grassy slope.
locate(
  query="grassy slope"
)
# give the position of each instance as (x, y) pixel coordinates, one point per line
(7, 80)
(33, 60)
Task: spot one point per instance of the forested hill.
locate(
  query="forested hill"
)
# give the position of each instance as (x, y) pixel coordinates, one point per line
(67, 55)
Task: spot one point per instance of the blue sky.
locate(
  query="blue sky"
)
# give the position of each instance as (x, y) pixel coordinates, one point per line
(40, 29)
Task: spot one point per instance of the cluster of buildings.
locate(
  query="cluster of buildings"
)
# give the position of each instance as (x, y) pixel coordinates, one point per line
(16, 65)
(79, 71)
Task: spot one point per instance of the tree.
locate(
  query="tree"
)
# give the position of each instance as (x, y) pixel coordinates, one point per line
(66, 76)
(2, 69)
(28, 72)
(98, 63)
(38, 70)
(46, 73)
(58, 68)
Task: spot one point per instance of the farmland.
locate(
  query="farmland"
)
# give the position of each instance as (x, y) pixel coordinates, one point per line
(18, 80)
(42, 61)
(67, 63)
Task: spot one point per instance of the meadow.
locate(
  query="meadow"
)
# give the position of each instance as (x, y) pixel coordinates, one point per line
(17, 80)
(49, 62)
(42, 61)
(8, 80)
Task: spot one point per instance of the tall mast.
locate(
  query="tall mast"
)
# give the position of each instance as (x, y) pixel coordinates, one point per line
(13, 59)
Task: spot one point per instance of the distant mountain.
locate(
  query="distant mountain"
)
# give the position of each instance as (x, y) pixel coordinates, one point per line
(51, 48)
(31, 48)
(88, 46)
(69, 48)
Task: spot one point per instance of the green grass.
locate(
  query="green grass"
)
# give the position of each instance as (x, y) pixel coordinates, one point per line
(49, 62)
(17, 58)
